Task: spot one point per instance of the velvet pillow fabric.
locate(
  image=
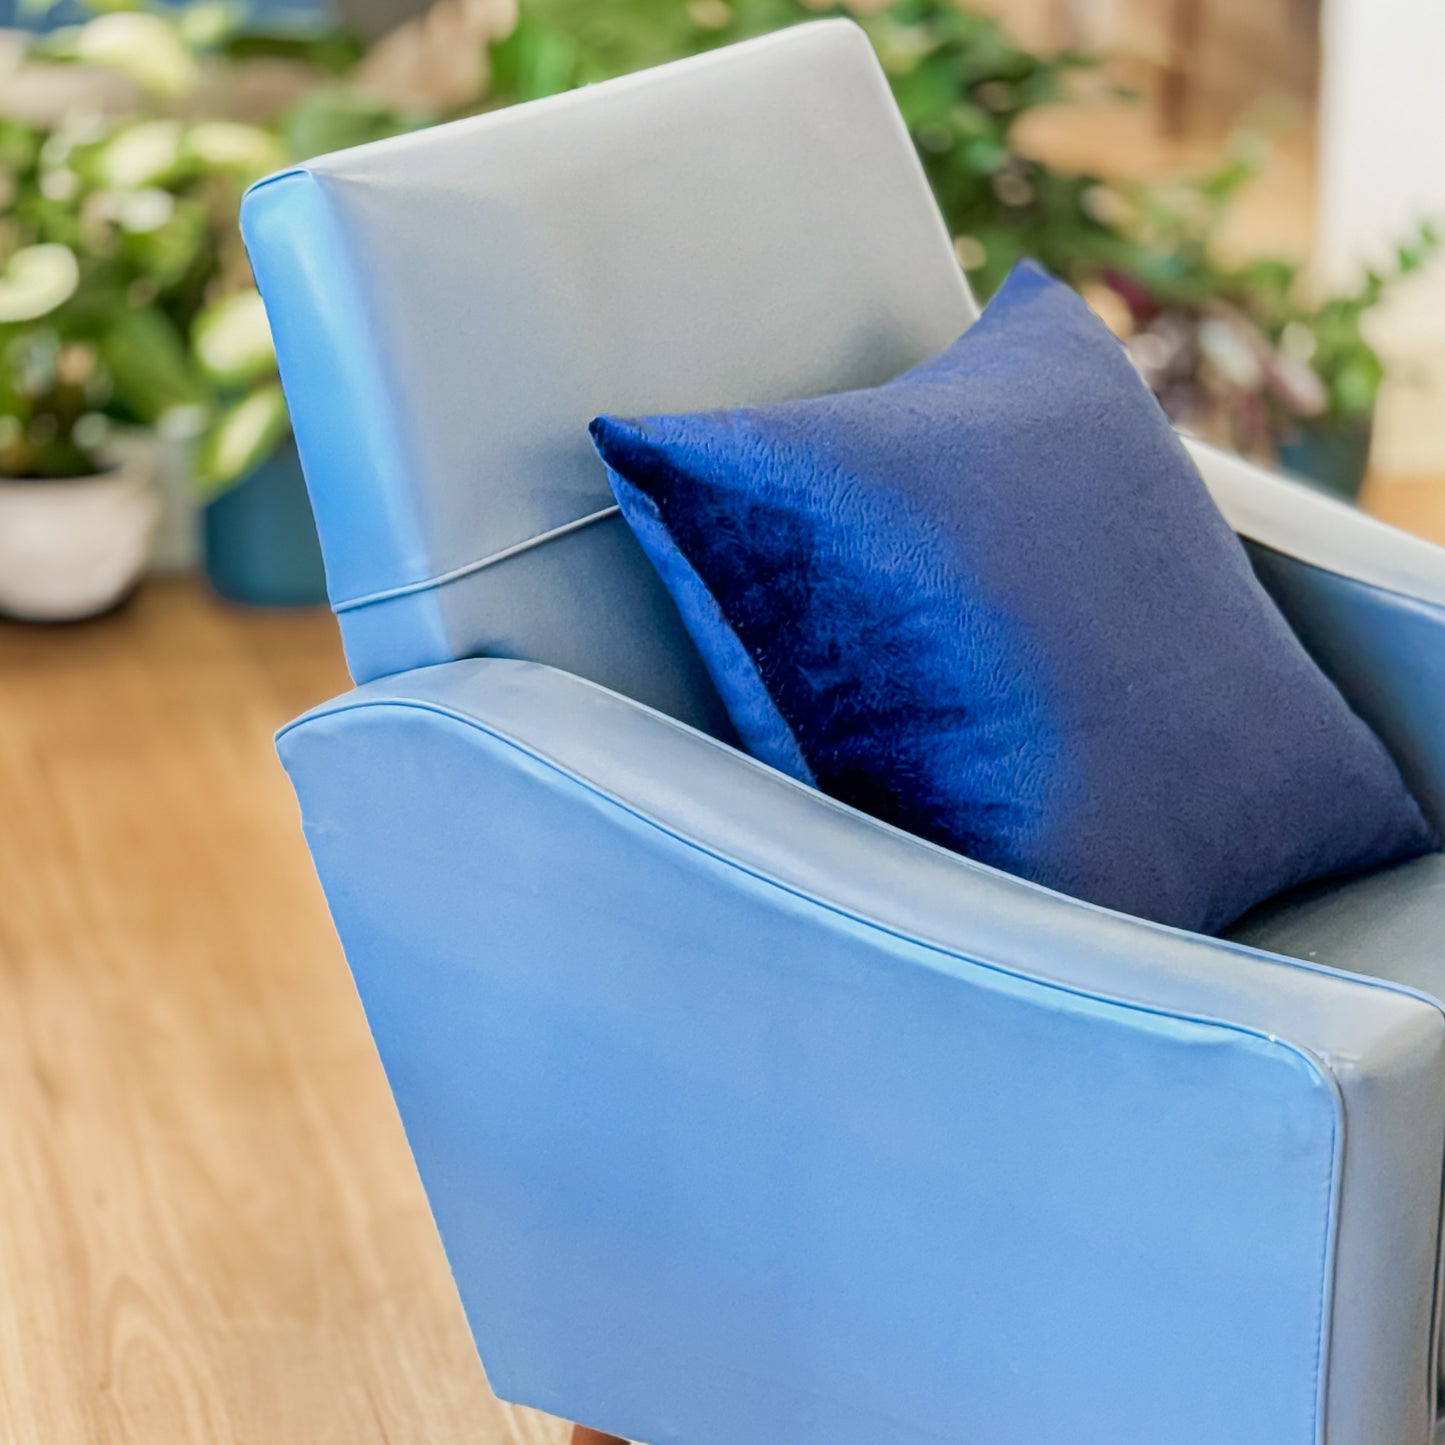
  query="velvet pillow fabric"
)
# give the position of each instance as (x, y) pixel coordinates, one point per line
(993, 603)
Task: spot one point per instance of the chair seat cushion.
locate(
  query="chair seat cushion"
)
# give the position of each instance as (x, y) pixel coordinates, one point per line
(1389, 925)
(992, 602)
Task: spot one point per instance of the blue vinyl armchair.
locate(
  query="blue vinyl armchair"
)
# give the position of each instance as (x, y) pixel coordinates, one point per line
(746, 1119)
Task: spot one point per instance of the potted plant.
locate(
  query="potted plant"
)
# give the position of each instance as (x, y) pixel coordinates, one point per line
(1247, 357)
(1333, 445)
(170, 167)
(93, 275)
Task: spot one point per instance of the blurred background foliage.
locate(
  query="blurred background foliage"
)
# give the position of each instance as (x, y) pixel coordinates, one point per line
(125, 296)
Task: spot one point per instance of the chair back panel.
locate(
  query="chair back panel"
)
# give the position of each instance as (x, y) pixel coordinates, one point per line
(452, 307)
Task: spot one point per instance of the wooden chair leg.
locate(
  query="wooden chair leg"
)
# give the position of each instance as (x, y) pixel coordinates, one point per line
(581, 1435)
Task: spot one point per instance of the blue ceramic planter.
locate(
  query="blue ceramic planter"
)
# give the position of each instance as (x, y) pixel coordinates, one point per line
(1333, 457)
(260, 538)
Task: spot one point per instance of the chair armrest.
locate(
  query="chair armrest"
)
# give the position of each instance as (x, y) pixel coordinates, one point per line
(746, 1117)
(1367, 600)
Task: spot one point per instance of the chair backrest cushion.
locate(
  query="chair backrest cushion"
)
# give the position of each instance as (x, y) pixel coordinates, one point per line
(452, 307)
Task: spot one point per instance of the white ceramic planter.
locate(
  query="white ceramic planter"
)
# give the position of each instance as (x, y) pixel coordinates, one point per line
(72, 549)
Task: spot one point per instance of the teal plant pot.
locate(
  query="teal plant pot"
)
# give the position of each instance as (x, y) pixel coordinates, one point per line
(1333, 456)
(260, 538)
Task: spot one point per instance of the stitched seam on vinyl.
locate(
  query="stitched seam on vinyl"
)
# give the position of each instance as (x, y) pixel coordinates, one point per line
(467, 568)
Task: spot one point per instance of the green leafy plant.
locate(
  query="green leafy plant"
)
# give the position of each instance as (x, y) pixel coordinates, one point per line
(108, 247)
(96, 280)
(1335, 343)
(1245, 355)
(125, 296)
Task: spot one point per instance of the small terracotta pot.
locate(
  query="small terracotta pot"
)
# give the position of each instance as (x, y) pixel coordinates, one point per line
(74, 548)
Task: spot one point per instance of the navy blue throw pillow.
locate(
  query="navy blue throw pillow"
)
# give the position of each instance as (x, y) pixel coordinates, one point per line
(993, 603)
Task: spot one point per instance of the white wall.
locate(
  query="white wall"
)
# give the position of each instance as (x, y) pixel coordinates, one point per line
(1382, 171)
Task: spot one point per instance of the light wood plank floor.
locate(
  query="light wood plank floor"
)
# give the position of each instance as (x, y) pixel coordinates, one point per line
(1416, 504)
(210, 1227)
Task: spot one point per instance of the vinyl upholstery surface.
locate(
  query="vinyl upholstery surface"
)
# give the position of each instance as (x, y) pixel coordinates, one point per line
(879, 1144)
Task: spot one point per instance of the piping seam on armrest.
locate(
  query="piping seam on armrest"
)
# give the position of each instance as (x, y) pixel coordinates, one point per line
(362, 704)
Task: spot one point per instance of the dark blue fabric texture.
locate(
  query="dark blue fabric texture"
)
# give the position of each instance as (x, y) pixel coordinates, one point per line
(993, 603)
